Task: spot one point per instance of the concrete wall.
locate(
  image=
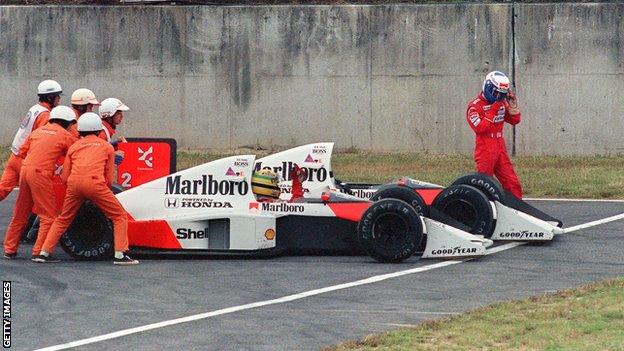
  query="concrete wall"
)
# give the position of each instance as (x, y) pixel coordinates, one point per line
(570, 76)
(372, 77)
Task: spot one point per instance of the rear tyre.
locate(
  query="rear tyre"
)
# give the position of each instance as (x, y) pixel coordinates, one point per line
(469, 206)
(116, 189)
(29, 235)
(488, 185)
(90, 236)
(390, 231)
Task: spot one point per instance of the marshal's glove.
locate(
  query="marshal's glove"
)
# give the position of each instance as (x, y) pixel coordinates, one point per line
(513, 103)
(119, 157)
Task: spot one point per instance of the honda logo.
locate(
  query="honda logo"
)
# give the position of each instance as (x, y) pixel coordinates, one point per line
(172, 203)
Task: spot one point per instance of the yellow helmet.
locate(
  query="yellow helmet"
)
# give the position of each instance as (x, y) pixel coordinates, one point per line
(265, 183)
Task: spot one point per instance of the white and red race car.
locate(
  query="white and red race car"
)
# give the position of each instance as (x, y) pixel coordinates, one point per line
(211, 209)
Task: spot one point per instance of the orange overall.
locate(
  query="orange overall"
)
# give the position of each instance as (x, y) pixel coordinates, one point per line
(108, 131)
(41, 149)
(89, 172)
(73, 129)
(10, 176)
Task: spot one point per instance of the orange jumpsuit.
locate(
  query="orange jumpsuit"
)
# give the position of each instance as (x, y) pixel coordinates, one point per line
(108, 131)
(10, 176)
(41, 149)
(73, 129)
(89, 172)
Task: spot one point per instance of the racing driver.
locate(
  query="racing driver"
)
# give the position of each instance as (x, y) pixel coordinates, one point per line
(486, 115)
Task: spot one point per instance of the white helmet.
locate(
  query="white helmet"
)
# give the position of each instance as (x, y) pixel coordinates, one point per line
(495, 86)
(49, 87)
(63, 113)
(83, 96)
(110, 106)
(89, 122)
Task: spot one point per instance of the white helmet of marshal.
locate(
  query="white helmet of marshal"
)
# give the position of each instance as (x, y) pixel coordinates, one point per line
(63, 113)
(83, 96)
(49, 86)
(89, 122)
(110, 106)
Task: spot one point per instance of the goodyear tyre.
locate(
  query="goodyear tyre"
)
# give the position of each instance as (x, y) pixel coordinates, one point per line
(403, 193)
(488, 185)
(90, 236)
(29, 235)
(469, 206)
(390, 230)
(116, 189)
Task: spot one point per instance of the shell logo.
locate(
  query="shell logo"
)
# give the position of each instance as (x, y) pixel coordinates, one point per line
(269, 234)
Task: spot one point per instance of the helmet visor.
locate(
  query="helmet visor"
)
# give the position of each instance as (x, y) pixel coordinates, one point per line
(500, 94)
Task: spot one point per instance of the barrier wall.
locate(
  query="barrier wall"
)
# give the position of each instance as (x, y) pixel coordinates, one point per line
(394, 77)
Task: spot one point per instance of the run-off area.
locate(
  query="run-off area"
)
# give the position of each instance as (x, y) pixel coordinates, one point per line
(276, 303)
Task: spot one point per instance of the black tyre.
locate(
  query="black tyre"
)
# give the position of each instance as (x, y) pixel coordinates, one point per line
(403, 193)
(390, 230)
(116, 188)
(90, 236)
(469, 206)
(488, 185)
(29, 235)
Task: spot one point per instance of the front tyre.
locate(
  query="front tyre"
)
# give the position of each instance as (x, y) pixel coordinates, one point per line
(390, 230)
(90, 236)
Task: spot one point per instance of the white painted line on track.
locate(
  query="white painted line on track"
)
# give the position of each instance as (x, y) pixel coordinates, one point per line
(302, 295)
(573, 200)
(594, 223)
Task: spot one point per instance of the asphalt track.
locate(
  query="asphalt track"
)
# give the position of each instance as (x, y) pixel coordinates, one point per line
(56, 304)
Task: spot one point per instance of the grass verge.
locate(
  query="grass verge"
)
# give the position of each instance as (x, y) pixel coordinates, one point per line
(588, 318)
(595, 177)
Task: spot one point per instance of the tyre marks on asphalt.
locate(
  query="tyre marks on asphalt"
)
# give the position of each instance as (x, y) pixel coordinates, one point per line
(305, 294)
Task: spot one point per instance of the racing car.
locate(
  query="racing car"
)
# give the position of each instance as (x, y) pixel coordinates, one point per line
(474, 203)
(211, 209)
